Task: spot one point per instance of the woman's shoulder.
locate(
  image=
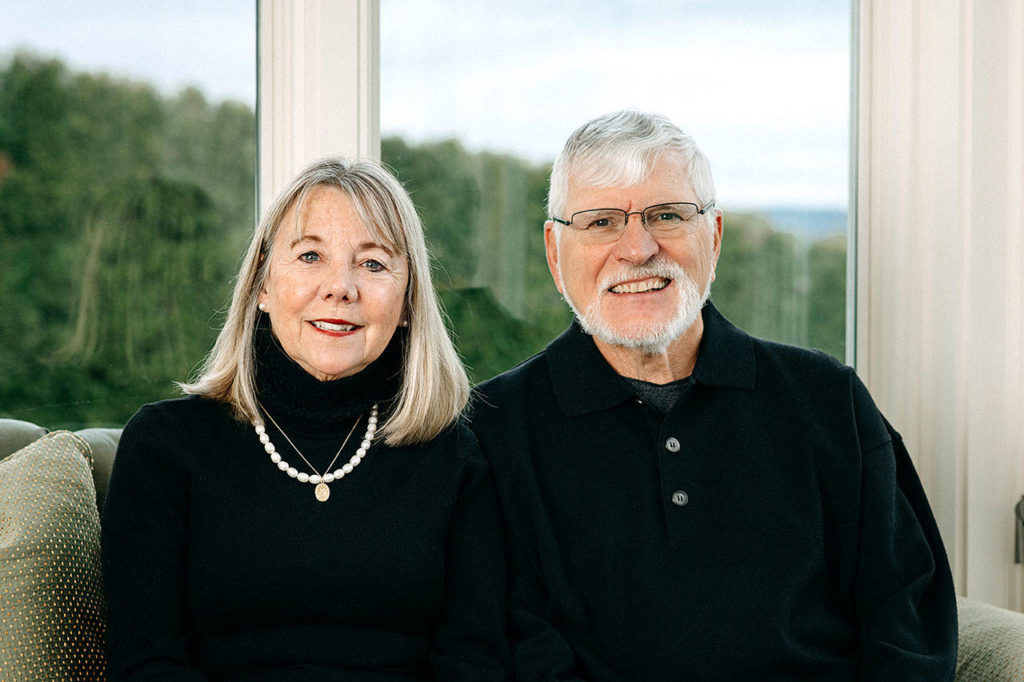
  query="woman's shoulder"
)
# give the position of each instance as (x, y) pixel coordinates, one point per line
(175, 415)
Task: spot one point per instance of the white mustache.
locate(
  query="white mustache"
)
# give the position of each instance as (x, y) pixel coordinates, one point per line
(661, 267)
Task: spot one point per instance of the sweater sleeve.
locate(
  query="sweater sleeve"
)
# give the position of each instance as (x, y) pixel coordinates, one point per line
(539, 651)
(905, 600)
(469, 641)
(145, 535)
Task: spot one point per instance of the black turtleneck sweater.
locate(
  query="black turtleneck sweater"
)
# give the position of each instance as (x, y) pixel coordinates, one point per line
(219, 566)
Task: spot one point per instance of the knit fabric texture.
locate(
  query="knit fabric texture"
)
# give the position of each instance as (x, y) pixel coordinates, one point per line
(991, 643)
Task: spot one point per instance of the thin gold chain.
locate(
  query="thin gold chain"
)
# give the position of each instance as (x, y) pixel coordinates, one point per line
(336, 455)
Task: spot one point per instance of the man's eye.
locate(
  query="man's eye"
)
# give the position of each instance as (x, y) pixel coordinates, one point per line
(309, 257)
(373, 265)
(667, 217)
(599, 223)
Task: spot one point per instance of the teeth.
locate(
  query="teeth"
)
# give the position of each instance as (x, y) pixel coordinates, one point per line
(653, 284)
(328, 327)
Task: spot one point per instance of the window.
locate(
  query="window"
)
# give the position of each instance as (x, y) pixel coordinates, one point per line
(127, 159)
(474, 110)
(125, 201)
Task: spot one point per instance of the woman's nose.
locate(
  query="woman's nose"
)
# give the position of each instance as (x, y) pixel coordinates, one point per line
(341, 284)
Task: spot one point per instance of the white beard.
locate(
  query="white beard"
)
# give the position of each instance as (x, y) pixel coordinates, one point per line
(650, 338)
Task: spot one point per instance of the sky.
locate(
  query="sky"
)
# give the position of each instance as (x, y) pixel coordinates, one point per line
(169, 43)
(763, 85)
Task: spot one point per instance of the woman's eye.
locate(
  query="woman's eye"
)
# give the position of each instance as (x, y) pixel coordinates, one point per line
(309, 257)
(373, 265)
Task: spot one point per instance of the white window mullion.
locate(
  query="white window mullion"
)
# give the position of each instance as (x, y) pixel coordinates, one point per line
(318, 85)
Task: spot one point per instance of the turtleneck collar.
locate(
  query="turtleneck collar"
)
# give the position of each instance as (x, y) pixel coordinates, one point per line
(297, 399)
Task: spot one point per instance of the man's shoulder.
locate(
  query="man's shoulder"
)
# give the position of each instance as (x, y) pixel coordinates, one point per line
(807, 364)
(797, 355)
(818, 386)
(511, 384)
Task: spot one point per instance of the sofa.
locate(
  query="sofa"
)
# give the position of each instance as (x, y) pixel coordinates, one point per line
(52, 613)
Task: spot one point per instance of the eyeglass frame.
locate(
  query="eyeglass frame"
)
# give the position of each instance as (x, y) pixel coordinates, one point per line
(642, 214)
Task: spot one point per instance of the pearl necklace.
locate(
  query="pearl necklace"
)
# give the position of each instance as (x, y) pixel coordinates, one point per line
(321, 491)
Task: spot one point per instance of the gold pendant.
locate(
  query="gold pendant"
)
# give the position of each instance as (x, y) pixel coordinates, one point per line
(322, 492)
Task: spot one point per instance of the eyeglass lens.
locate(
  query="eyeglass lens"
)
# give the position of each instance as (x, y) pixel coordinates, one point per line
(603, 223)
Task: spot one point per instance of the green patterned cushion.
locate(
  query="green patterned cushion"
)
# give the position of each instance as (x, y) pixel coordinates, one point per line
(52, 611)
(991, 643)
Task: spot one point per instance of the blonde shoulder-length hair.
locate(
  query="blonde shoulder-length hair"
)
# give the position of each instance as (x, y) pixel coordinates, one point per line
(434, 386)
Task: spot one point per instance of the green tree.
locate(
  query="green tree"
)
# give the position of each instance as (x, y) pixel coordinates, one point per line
(483, 214)
(118, 251)
(123, 213)
(780, 286)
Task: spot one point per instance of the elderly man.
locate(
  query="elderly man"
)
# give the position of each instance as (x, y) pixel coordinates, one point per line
(684, 501)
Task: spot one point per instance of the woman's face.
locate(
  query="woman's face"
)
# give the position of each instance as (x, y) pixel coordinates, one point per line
(334, 295)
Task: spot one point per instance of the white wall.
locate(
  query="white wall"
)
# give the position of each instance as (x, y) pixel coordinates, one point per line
(940, 308)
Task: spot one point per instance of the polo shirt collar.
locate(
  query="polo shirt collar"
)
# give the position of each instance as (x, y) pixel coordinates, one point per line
(726, 354)
(584, 382)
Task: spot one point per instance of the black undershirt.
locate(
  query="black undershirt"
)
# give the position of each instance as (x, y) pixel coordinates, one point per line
(660, 396)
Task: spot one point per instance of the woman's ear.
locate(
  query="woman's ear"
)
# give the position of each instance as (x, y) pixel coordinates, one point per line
(261, 300)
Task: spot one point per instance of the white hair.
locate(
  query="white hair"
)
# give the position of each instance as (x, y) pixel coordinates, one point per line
(622, 148)
(434, 384)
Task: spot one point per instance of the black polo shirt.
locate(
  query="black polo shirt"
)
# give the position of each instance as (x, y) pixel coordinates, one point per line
(770, 526)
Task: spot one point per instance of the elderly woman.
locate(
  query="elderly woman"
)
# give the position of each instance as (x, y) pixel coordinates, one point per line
(314, 510)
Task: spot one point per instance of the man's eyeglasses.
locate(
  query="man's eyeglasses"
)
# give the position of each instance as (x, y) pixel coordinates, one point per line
(602, 225)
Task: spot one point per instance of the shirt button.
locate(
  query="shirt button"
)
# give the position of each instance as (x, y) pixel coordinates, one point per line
(672, 445)
(680, 498)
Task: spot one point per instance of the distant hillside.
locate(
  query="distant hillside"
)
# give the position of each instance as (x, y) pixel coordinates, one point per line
(805, 222)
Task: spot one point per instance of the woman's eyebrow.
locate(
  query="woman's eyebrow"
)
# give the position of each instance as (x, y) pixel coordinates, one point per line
(303, 238)
(366, 246)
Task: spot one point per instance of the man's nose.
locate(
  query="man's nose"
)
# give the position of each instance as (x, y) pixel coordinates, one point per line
(636, 244)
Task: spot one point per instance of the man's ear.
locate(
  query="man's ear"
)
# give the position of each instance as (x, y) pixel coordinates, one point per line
(716, 248)
(551, 249)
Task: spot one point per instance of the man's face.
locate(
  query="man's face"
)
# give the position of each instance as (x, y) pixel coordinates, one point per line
(638, 291)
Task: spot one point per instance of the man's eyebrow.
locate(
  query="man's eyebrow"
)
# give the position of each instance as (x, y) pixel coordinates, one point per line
(303, 238)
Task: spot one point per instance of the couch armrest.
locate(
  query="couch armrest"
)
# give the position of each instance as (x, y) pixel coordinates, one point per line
(991, 643)
(16, 434)
(104, 445)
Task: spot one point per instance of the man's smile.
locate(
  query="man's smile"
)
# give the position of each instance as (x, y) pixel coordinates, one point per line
(641, 286)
